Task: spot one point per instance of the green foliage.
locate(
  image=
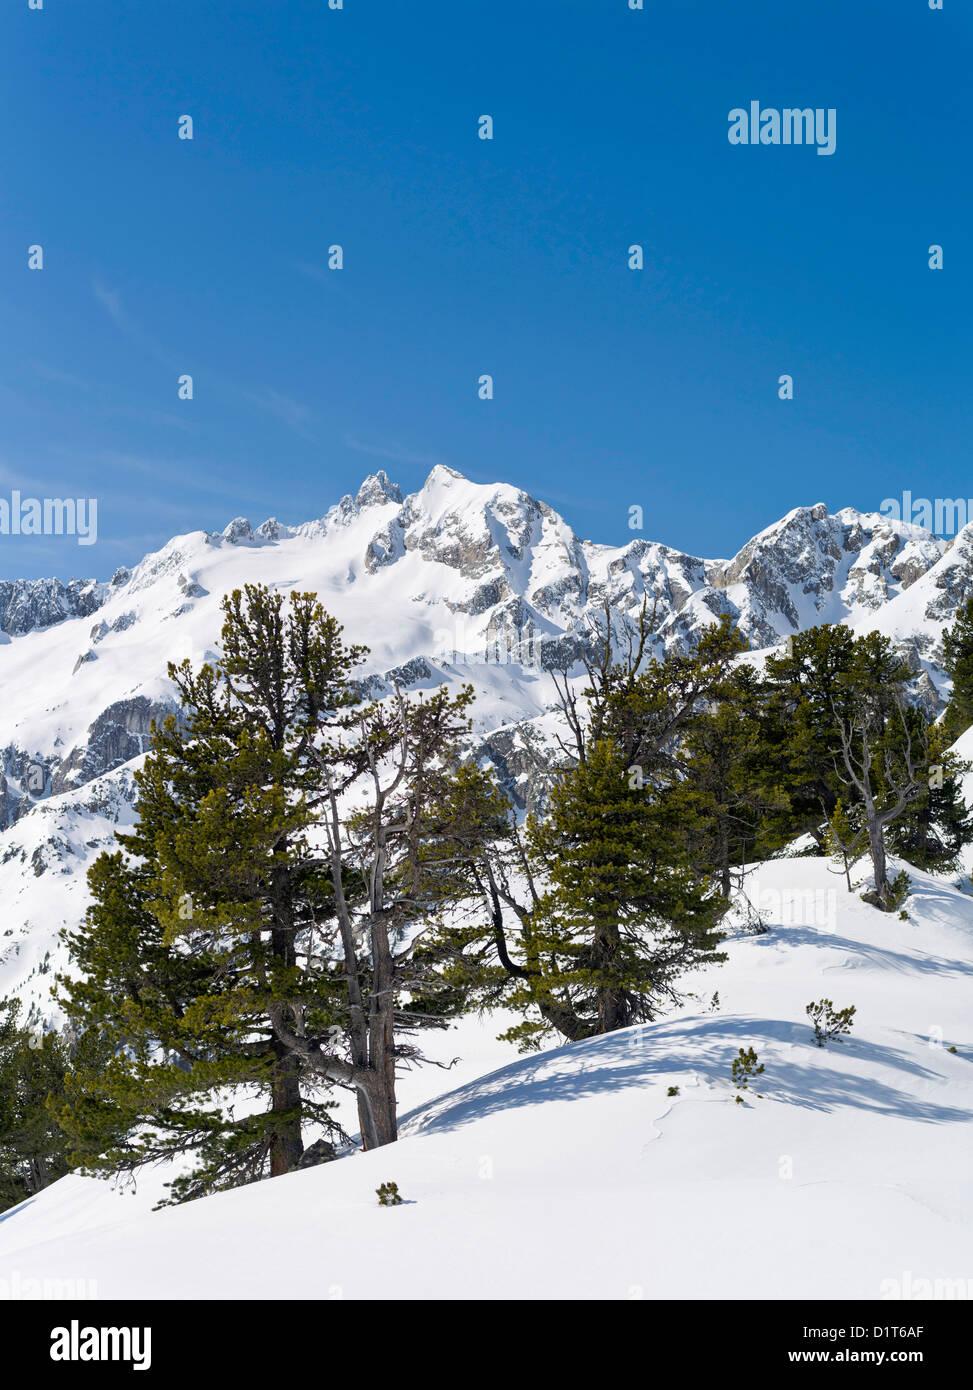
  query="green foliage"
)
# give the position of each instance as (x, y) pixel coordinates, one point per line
(861, 764)
(198, 921)
(33, 1150)
(899, 890)
(673, 1091)
(598, 906)
(728, 786)
(625, 909)
(936, 826)
(250, 943)
(958, 662)
(388, 1195)
(806, 692)
(829, 1023)
(745, 1067)
(35, 1069)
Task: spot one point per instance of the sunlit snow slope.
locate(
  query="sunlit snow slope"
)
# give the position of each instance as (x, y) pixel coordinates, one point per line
(574, 1173)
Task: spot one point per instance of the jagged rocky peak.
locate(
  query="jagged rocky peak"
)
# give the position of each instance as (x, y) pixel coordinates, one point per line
(28, 604)
(950, 583)
(237, 530)
(810, 543)
(476, 528)
(812, 566)
(377, 490)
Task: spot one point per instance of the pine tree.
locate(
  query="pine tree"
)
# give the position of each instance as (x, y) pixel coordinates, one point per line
(884, 745)
(806, 693)
(33, 1068)
(625, 910)
(270, 927)
(727, 780)
(958, 661)
(937, 825)
(394, 860)
(847, 730)
(594, 909)
(197, 927)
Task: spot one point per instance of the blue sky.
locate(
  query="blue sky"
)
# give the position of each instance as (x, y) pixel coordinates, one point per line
(359, 127)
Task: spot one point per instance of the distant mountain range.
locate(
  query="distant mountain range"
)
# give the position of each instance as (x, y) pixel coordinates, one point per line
(456, 582)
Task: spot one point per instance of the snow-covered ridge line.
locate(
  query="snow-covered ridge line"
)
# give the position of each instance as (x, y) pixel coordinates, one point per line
(456, 580)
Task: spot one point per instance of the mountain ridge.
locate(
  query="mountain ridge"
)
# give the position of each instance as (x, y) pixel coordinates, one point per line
(470, 575)
(458, 582)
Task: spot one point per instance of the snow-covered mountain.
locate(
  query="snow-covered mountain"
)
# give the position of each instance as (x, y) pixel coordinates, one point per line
(457, 582)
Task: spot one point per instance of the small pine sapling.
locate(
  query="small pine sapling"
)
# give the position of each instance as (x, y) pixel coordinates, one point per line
(744, 1068)
(388, 1195)
(899, 890)
(829, 1022)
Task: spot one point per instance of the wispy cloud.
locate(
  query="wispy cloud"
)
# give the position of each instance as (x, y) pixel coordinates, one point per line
(36, 484)
(395, 454)
(328, 278)
(48, 373)
(203, 479)
(111, 301)
(177, 477)
(294, 414)
(154, 417)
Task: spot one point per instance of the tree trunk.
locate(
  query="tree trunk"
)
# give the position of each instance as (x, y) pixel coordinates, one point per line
(876, 849)
(376, 1100)
(376, 1114)
(612, 1003)
(726, 882)
(287, 1143)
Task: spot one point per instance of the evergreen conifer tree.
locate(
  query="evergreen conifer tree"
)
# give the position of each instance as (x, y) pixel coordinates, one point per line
(958, 661)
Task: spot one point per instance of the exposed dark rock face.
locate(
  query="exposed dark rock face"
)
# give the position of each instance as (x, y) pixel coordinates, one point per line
(525, 765)
(28, 604)
(120, 732)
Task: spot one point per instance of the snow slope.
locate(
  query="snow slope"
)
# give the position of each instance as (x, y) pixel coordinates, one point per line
(573, 1174)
